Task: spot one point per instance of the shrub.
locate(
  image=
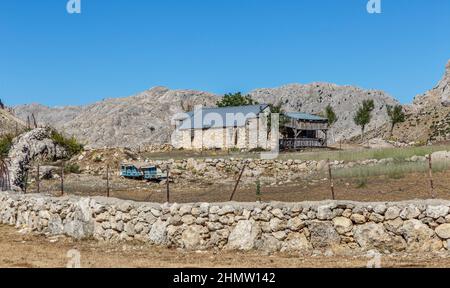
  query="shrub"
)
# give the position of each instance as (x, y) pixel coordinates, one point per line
(70, 144)
(361, 183)
(5, 145)
(234, 150)
(257, 150)
(98, 159)
(72, 168)
(258, 190)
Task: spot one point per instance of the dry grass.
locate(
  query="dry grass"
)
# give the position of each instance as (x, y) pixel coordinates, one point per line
(394, 170)
(311, 154)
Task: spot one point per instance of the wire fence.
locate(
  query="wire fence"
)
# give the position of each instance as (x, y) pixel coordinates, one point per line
(392, 182)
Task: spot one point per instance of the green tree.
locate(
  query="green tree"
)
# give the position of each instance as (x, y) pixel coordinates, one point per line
(2, 106)
(236, 99)
(331, 116)
(276, 109)
(396, 115)
(364, 115)
(72, 146)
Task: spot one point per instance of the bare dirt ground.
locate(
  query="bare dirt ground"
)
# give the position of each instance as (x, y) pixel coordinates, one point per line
(380, 188)
(31, 251)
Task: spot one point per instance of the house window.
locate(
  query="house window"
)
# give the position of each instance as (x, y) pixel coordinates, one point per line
(192, 135)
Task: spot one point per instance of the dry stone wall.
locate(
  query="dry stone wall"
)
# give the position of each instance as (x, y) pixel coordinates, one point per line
(414, 226)
(282, 170)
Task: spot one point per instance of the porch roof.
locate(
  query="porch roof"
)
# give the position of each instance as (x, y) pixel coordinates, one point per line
(305, 116)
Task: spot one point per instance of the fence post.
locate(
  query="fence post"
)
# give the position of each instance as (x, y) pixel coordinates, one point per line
(62, 178)
(258, 190)
(330, 176)
(237, 182)
(430, 175)
(107, 180)
(168, 185)
(38, 183)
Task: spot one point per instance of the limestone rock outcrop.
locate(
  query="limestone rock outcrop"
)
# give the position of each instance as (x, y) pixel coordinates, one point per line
(35, 144)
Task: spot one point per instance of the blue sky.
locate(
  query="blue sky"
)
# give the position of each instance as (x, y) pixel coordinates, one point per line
(120, 47)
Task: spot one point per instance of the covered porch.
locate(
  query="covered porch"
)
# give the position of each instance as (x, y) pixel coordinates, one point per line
(302, 130)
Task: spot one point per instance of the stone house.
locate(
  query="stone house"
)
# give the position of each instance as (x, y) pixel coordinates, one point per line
(242, 127)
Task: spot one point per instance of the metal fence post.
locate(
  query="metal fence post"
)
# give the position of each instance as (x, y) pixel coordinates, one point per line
(38, 183)
(62, 178)
(237, 182)
(168, 185)
(430, 175)
(107, 181)
(330, 176)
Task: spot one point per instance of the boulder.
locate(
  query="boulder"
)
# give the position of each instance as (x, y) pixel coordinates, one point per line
(358, 218)
(436, 212)
(419, 237)
(392, 213)
(244, 235)
(410, 212)
(324, 212)
(269, 244)
(27, 147)
(393, 225)
(193, 237)
(342, 225)
(374, 236)
(296, 242)
(443, 231)
(158, 232)
(295, 224)
(323, 235)
(441, 156)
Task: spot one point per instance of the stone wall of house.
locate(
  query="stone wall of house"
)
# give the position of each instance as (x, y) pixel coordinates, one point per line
(337, 226)
(253, 135)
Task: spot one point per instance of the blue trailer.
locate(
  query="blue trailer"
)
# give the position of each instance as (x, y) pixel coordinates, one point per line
(141, 171)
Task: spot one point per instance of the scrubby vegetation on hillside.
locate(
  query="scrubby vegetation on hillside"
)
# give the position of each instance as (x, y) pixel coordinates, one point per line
(5, 144)
(72, 146)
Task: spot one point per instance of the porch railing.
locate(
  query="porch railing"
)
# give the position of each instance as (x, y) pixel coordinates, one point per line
(298, 143)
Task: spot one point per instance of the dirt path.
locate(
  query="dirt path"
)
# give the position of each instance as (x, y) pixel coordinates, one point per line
(18, 250)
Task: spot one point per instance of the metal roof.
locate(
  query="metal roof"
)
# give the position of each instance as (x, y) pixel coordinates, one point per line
(221, 117)
(304, 116)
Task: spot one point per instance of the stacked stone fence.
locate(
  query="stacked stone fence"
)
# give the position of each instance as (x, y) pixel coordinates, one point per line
(412, 226)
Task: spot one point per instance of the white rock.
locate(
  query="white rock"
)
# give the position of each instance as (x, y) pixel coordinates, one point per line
(244, 235)
(392, 213)
(342, 225)
(437, 211)
(410, 212)
(443, 231)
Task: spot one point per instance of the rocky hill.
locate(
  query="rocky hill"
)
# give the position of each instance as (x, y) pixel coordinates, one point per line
(142, 119)
(145, 118)
(345, 100)
(9, 124)
(428, 117)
